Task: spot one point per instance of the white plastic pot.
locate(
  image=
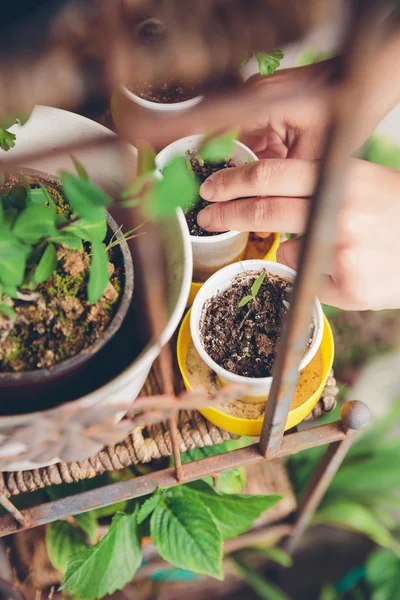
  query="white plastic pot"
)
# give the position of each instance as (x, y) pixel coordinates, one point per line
(257, 387)
(210, 253)
(51, 128)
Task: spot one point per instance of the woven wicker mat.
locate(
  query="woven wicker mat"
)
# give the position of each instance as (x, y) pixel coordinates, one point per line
(141, 446)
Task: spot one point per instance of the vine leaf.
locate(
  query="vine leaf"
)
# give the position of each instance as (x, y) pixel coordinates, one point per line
(63, 541)
(268, 62)
(34, 223)
(109, 565)
(47, 265)
(216, 149)
(98, 274)
(233, 513)
(185, 533)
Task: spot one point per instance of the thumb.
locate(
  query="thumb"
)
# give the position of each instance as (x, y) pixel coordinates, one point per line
(288, 253)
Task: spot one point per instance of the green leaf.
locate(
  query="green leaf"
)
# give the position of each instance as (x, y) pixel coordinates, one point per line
(63, 541)
(68, 239)
(13, 257)
(245, 300)
(80, 169)
(98, 274)
(255, 288)
(60, 219)
(233, 513)
(356, 517)
(47, 265)
(146, 159)
(286, 304)
(88, 523)
(7, 139)
(87, 199)
(233, 481)
(199, 453)
(34, 223)
(185, 533)
(383, 575)
(263, 588)
(10, 291)
(1, 213)
(90, 230)
(148, 506)
(277, 555)
(110, 564)
(8, 311)
(36, 196)
(176, 189)
(268, 62)
(217, 149)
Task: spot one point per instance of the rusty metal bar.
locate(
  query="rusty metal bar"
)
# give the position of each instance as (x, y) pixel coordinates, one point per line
(141, 486)
(317, 249)
(354, 415)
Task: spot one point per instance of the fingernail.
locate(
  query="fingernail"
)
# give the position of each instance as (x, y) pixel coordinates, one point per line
(204, 218)
(207, 189)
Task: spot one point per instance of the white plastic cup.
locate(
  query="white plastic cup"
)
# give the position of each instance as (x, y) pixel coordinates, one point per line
(257, 388)
(210, 253)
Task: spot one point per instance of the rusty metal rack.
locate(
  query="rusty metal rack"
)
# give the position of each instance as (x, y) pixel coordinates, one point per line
(317, 250)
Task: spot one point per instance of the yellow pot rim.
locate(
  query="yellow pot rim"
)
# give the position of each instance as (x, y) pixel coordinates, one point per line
(253, 427)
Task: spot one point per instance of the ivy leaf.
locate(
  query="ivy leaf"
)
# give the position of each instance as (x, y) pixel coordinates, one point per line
(7, 139)
(80, 169)
(8, 311)
(98, 274)
(245, 300)
(176, 189)
(88, 523)
(217, 149)
(34, 223)
(148, 506)
(185, 533)
(86, 199)
(383, 575)
(255, 288)
(268, 62)
(47, 265)
(63, 541)
(13, 257)
(90, 230)
(233, 513)
(110, 564)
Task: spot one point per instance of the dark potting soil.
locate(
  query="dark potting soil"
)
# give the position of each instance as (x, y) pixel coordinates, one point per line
(54, 321)
(244, 340)
(202, 171)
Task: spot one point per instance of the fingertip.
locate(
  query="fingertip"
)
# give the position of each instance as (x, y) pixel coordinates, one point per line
(204, 218)
(288, 253)
(207, 190)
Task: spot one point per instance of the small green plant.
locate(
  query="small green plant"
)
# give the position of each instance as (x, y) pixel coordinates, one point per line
(255, 288)
(7, 139)
(286, 304)
(268, 62)
(188, 525)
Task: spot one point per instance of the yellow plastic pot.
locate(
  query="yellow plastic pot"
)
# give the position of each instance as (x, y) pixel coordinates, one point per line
(271, 255)
(253, 427)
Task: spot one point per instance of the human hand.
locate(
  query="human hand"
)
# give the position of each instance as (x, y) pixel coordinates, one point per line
(275, 196)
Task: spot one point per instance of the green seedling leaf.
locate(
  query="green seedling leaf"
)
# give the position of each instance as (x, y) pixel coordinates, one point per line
(244, 301)
(286, 304)
(86, 199)
(63, 541)
(176, 189)
(8, 311)
(13, 257)
(217, 149)
(36, 196)
(68, 239)
(7, 139)
(80, 169)
(88, 523)
(34, 223)
(47, 265)
(255, 288)
(148, 506)
(233, 513)
(109, 565)
(98, 274)
(185, 533)
(268, 62)
(90, 230)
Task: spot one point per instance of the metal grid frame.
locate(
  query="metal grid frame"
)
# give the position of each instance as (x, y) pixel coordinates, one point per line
(316, 253)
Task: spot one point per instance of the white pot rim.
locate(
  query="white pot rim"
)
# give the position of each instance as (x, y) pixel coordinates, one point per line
(209, 289)
(198, 137)
(159, 106)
